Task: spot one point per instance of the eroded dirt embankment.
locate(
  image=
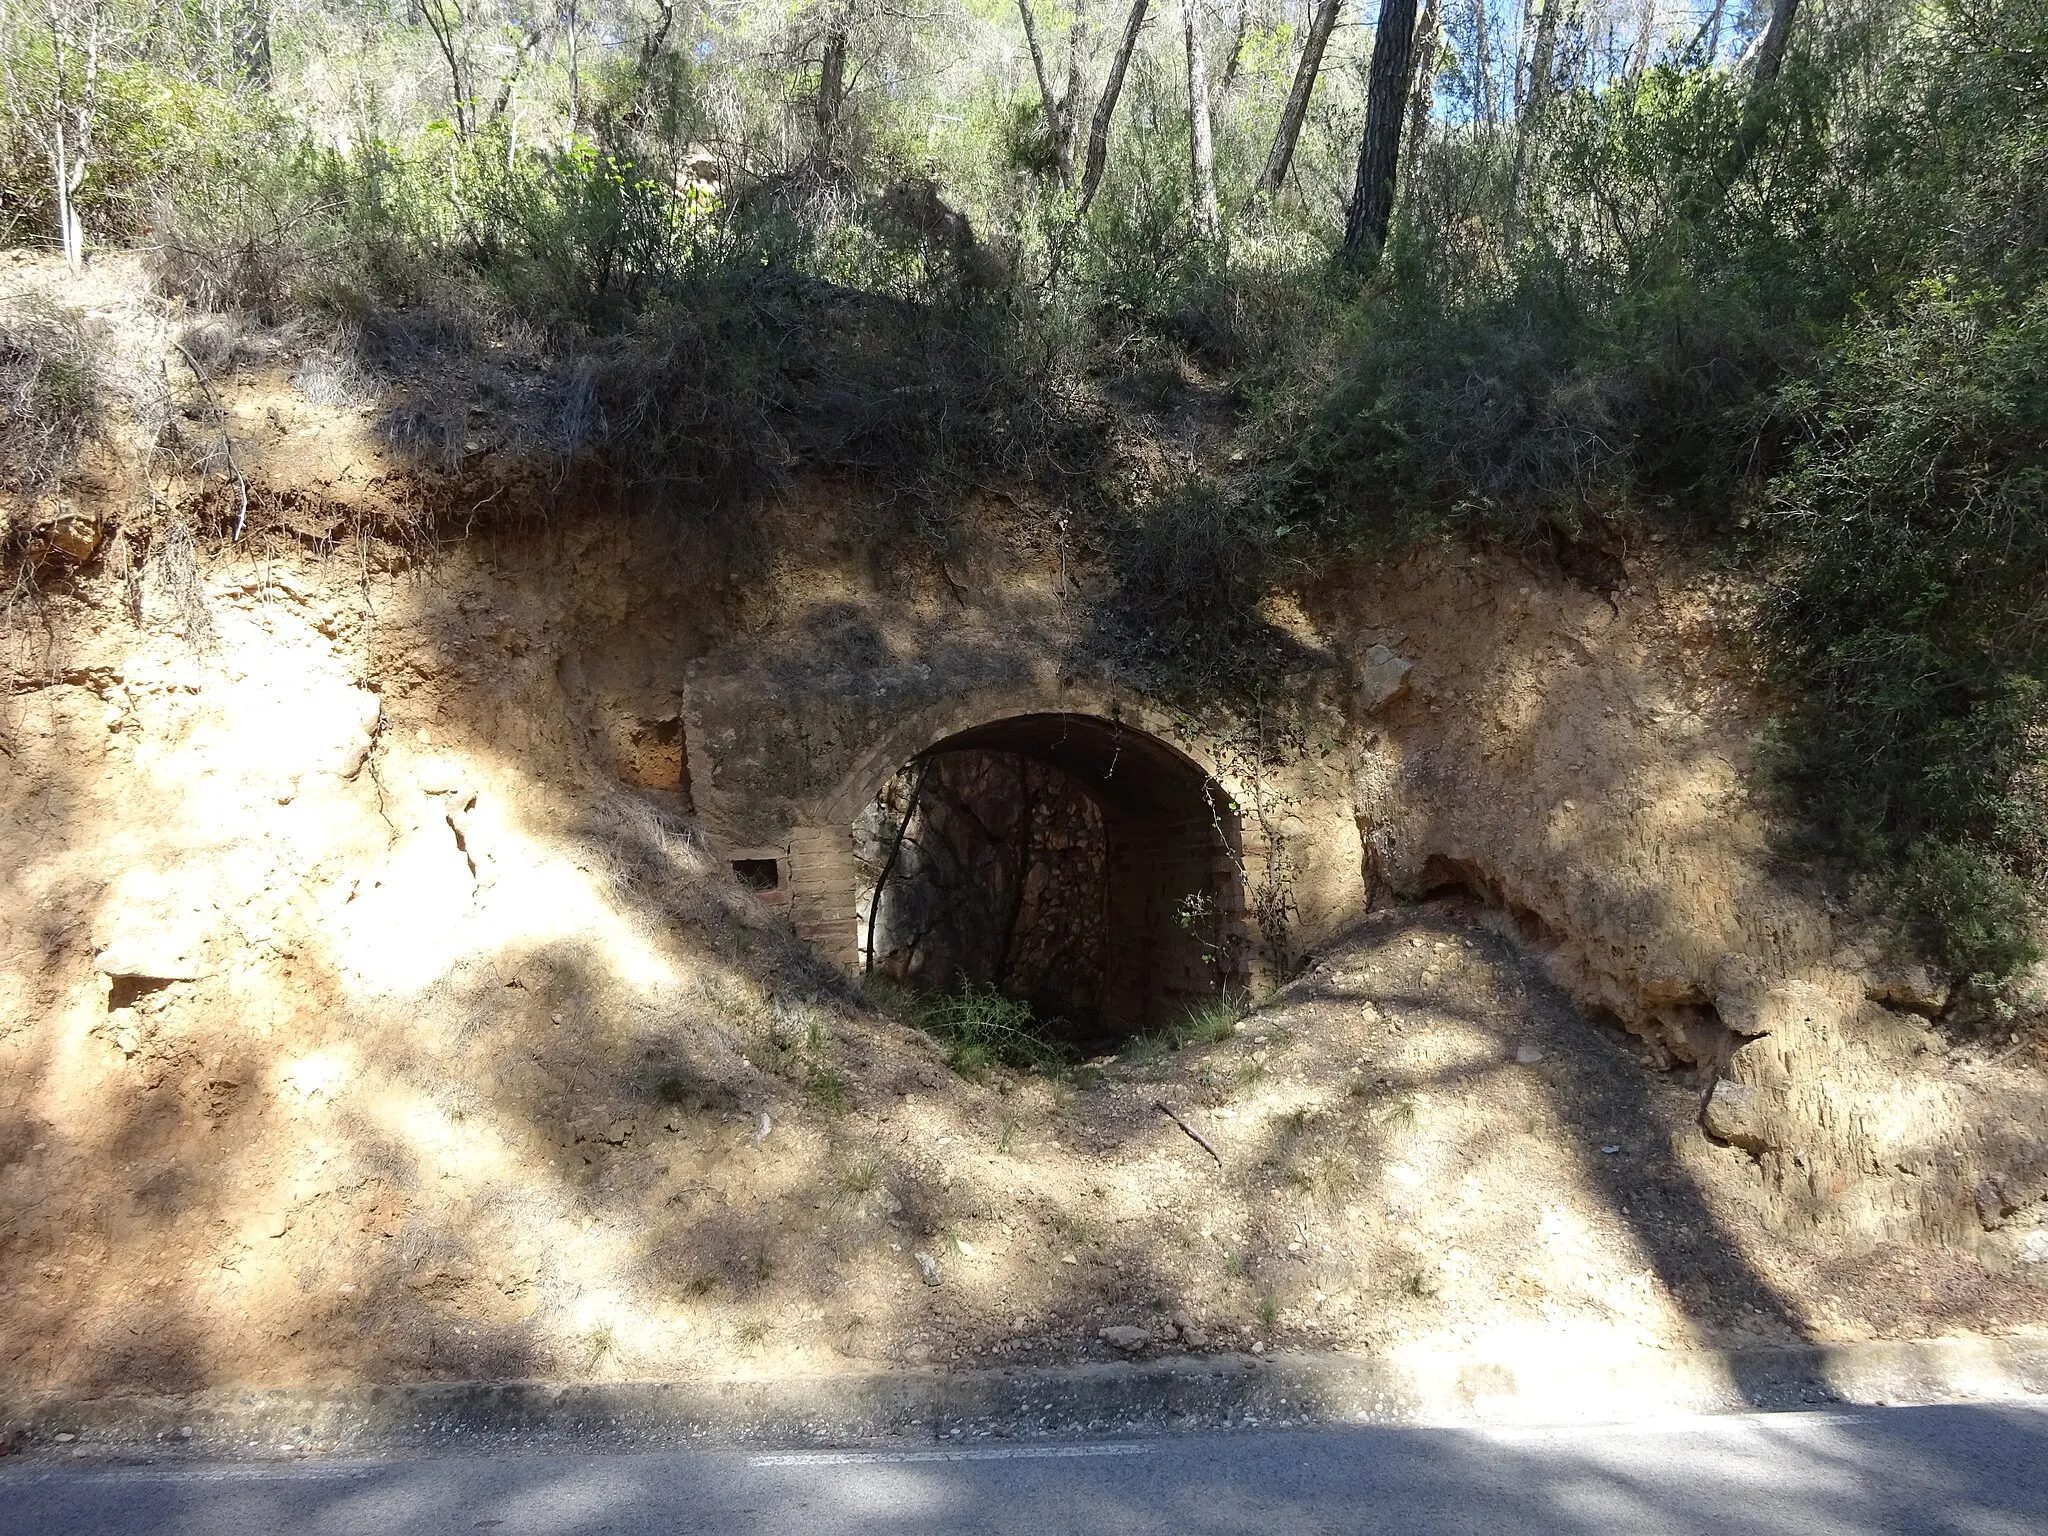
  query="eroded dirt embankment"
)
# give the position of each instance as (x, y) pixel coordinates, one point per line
(377, 1003)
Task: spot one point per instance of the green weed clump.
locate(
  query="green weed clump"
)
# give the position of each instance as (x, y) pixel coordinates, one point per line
(1210, 1022)
(828, 1088)
(981, 1029)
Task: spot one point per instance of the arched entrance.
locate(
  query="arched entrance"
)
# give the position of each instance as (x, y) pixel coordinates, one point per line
(1068, 860)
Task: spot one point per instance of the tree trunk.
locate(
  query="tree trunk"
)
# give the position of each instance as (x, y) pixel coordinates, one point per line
(60, 158)
(1201, 149)
(443, 25)
(1488, 104)
(1422, 92)
(1070, 102)
(1646, 29)
(71, 125)
(1541, 58)
(831, 85)
(252, 42)
(1105, 109)
(1379, 151)
(1769, 57)
(1062, 145)
(1770, 54)
(69, 236)
(570, 19)
(1291, 115)
(657, 37)
(1230, 65)
(507, 87)
(652, 42)
(889, 864)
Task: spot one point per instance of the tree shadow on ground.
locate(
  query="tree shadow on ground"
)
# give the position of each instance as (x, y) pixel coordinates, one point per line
(1960, 1469)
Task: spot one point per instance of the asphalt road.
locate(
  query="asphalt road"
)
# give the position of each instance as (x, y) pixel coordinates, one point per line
(1977, 1470)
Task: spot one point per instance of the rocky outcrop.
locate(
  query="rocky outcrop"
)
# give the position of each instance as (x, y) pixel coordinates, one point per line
(1583, 766)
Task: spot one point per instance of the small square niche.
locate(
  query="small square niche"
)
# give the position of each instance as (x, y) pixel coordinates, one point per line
(758, 874)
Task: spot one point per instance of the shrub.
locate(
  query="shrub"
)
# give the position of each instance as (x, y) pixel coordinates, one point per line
(1831, 357)
(53, 397)
(1905, 613)
(154, 127)
(258, 234)
(1974, 913)
(697, 353)
(982, 1029)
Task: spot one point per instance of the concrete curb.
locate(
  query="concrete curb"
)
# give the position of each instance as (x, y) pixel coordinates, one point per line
(1535, 1386)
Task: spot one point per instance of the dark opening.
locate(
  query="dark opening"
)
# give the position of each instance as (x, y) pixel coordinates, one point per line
(127, 991)
(758, 874)
(1069, 862)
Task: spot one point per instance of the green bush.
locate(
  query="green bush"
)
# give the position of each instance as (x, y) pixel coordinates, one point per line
(153, 129)
(1191, 565)
(1830, 357)
(1905, 611)
(982, 1029)
(1974, 914)
(1211, 1022)
(698, 351)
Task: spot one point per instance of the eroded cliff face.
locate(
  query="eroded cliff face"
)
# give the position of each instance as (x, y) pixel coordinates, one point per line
(1585, 764)
(380, 999)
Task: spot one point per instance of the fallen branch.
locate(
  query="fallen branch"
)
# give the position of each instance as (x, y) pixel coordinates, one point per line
(1201, 1141)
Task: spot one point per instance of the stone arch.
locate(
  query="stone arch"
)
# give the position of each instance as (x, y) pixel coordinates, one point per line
(1170, 824)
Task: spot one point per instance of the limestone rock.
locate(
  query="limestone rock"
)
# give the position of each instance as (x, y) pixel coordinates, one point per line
(1742, 1013)
(1125, 1336)
(1734, 1114)
(77, 537)
(150, 930)
(1381, 675)
(1995, 1201)
(1691, 1034)
(366, 718)
(1911, 987)
(1789, 1008)
(70, 535)
(153, 955)
(443, 776)
(1738, 996)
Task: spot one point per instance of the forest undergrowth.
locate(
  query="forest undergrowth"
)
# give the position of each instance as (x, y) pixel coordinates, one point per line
(1770, 281)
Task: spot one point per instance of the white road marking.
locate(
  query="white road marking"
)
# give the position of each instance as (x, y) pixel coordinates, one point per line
(989, 1453)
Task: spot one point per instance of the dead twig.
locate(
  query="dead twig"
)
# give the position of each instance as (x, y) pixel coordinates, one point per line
(1201, 1141)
